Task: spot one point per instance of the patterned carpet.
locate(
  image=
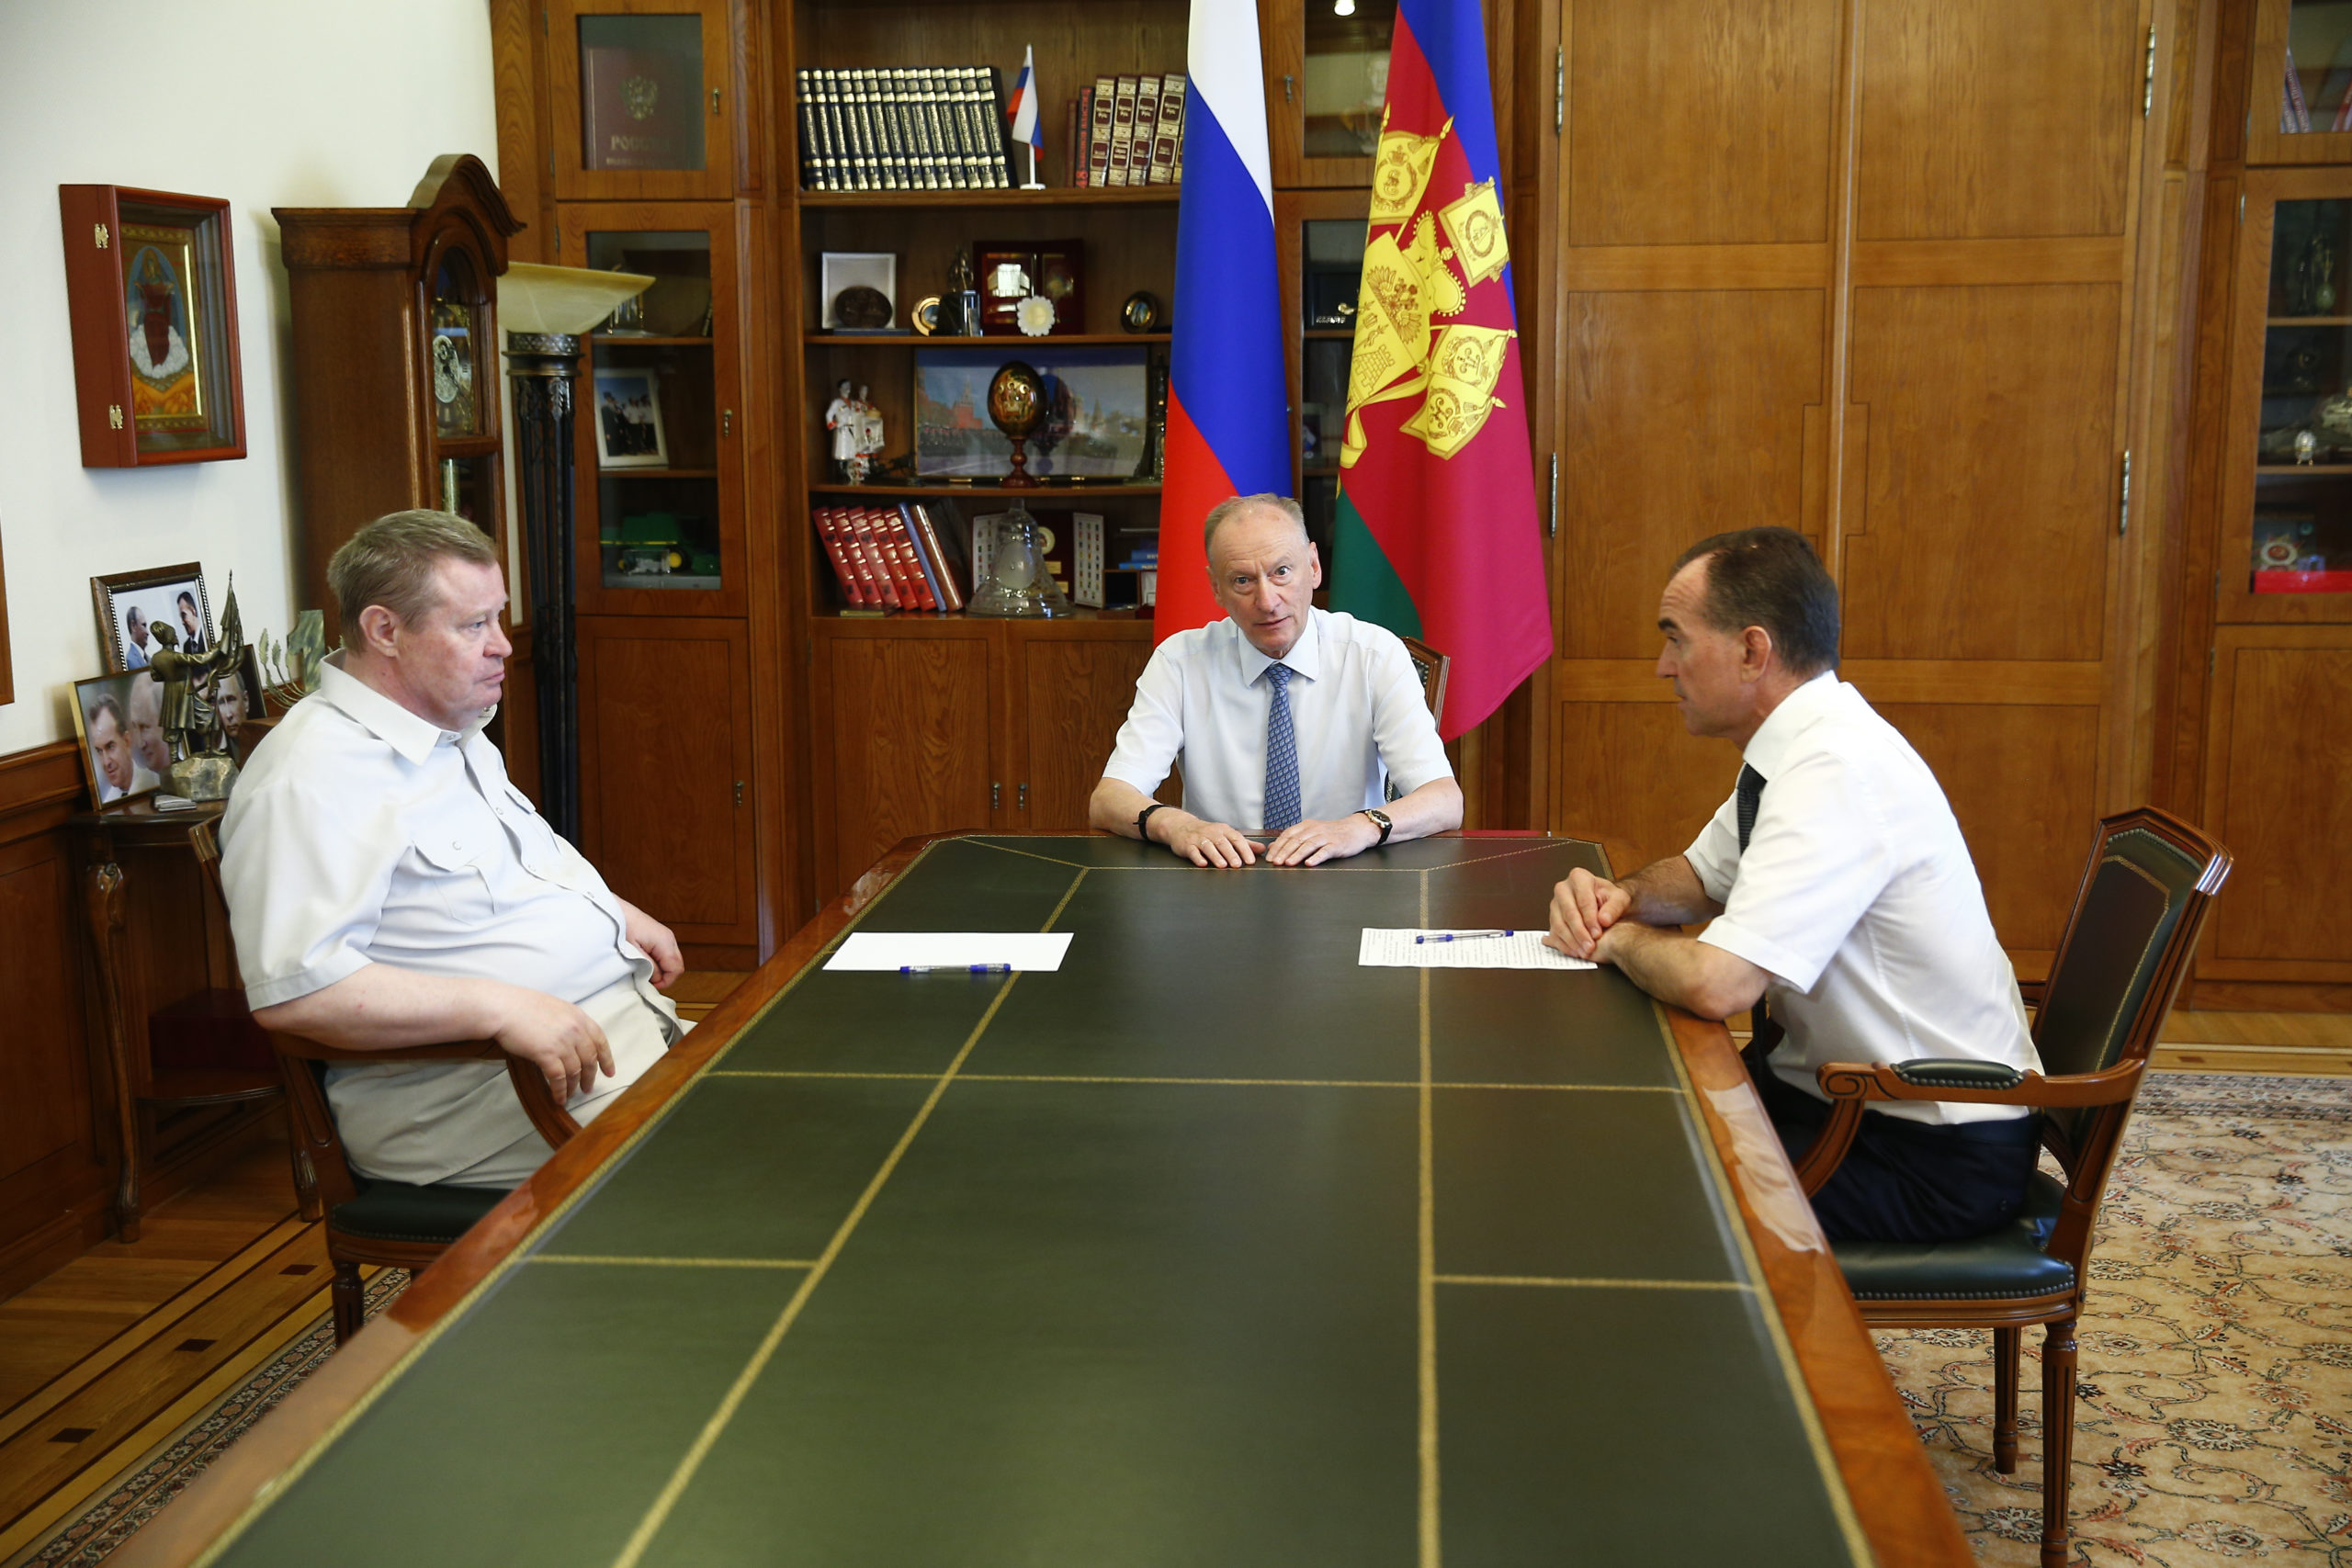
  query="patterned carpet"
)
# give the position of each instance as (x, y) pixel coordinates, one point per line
(139, 1494)
(2214, 1422)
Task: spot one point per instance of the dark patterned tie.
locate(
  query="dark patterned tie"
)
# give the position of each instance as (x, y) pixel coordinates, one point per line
(1281, 753)
(1751, 794)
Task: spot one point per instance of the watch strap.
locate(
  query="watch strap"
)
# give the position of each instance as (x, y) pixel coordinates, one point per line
(1380, 820)
(1145, 816)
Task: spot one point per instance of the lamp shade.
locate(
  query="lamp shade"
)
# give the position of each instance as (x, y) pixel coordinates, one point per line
(567, 299)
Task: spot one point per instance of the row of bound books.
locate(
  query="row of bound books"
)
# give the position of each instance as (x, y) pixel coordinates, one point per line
(903, 127)
(1128, 130)
(891, 558)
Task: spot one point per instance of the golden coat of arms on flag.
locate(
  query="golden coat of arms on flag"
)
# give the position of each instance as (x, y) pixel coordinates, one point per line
(1405, 345)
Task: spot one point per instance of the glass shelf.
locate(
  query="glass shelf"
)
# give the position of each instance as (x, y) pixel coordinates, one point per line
(2302, 539)
(657, 421)
(2303, 532)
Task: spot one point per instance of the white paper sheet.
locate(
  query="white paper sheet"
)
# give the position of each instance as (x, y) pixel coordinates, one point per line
(949, 951)
(1398, 950)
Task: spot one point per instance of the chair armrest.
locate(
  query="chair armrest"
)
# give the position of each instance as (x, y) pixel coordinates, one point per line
(2033, 991)
(1975, 1083)
(550, 1120)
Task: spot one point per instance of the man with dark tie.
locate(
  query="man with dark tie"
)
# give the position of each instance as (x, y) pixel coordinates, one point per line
(1839, 893)
(1286, 718)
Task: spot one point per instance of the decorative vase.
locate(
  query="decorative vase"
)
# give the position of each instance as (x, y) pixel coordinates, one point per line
(1017, 407)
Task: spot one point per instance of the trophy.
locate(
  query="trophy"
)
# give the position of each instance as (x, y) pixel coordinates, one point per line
(1020, 583)
(1017, 407)
(960, 313)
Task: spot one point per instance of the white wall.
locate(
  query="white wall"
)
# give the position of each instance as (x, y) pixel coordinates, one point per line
(268, 103)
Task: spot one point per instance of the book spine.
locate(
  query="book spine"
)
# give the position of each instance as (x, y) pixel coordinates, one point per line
(906, 92)
(1146, 117)
(1123, 130)
(1098, 136)
(951, 593)
(926, 568)
(913, 593)
(1070, 121)
(1169, 133)
(2294, 115)
(829, 535)
(806, 122)
(976, 140)
(879, 578)
(947, 127)
(886, 127)
(836, 131)
(869, 145)
(993, 107)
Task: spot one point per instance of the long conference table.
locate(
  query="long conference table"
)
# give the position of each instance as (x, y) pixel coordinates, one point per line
(1210, 1248)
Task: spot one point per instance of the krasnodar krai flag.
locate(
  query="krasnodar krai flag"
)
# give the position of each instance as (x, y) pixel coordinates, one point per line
(1437, 535)
(1229, 418)
(1023, 107)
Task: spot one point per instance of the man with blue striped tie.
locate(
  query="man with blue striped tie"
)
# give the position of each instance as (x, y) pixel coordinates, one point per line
(1837, 889)
(1283, 716)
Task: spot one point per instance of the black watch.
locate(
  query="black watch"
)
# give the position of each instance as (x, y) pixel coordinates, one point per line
(1380, 819)
(1145, 816)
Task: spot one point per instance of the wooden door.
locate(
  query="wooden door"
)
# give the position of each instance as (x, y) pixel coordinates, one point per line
(2278, 751)
(653, 86)
(1071, 686)
(665, 770)
(908, 713)
(1878, 293)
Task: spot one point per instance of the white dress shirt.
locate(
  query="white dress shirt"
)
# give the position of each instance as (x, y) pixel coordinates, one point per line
(1355, 705)
(1857, 896)
(361, 833)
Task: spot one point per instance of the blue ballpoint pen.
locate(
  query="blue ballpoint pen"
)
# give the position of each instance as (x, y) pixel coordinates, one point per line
(1462, 936)
(954, 968)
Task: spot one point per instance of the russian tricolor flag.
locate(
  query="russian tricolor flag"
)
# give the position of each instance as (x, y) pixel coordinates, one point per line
(1023, 112)
(1228, 417)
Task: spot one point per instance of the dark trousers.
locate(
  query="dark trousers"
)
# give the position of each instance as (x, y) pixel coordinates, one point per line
(1905, 1180)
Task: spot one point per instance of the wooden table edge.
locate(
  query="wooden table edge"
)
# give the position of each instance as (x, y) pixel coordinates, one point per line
(1895, 1497)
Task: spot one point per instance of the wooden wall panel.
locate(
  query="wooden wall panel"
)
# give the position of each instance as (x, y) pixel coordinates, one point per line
(44, 1070)
(1686, 415)
(1998, 119)
(665, 736)
(911, 751)
(1629, 775)
(2284, 807)
(2023, 781)
(1733, 101)
(1075, 696)
(1990, 490)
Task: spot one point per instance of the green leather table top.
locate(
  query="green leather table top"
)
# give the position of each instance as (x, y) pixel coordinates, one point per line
(1211, 1248)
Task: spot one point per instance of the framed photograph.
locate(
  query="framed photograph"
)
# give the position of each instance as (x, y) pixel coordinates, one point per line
(238, 695)
(132, 604)
(628, 420)
(118, 757)
(1097, 411)
(151, 293)
(871, 273)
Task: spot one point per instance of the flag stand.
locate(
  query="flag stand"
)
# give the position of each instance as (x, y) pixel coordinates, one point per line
(1034, 182)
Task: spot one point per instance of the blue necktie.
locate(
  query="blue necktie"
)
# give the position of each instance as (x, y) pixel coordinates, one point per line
(1281, 753)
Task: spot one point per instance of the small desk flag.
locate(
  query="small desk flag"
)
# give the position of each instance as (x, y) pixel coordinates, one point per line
(1022, 111)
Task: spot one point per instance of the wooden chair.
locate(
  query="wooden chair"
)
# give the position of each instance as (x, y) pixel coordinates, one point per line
(2137, 913)
(396, 1224)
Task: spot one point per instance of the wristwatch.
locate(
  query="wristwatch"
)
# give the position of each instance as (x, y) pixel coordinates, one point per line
(1380, 819)
(1145, 816)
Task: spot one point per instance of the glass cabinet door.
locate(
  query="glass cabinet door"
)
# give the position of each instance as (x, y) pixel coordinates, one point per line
(2302, 82)
(2292, 560)
(1328, 62)
(641, 98)
(1330, 267)
(657, 415)
(461, 388)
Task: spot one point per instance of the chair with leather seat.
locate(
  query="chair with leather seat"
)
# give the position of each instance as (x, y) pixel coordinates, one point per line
(392, 1223)
(1432, 668)
(2142, 899)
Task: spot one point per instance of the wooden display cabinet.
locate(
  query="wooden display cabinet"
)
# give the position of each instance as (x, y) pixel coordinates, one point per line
(396, 371)
(647, 99)
(2286, 536)
(684, 502)
(665, 768)
(941, 723)
(1327, 76)
(2311, 38)
(1318, 244)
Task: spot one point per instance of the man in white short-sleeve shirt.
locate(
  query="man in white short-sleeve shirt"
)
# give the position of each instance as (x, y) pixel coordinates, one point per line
(1287, 719)
(388, 886)
(1839, 893)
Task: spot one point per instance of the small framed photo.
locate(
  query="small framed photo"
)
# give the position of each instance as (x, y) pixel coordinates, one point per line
(858, 291)
(131, 606)
(628, 420)
(238, 695)
(118, 751)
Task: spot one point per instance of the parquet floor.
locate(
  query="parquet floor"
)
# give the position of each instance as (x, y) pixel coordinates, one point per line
(111, 1354)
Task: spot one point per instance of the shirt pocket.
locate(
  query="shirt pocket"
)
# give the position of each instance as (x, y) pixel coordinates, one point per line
(456, 879)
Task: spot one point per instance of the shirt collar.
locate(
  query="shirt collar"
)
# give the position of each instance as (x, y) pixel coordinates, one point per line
(413, 737)
(1768, 748)
(1305, 658)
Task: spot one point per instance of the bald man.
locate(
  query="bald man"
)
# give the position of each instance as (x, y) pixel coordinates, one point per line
(1289, 721)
